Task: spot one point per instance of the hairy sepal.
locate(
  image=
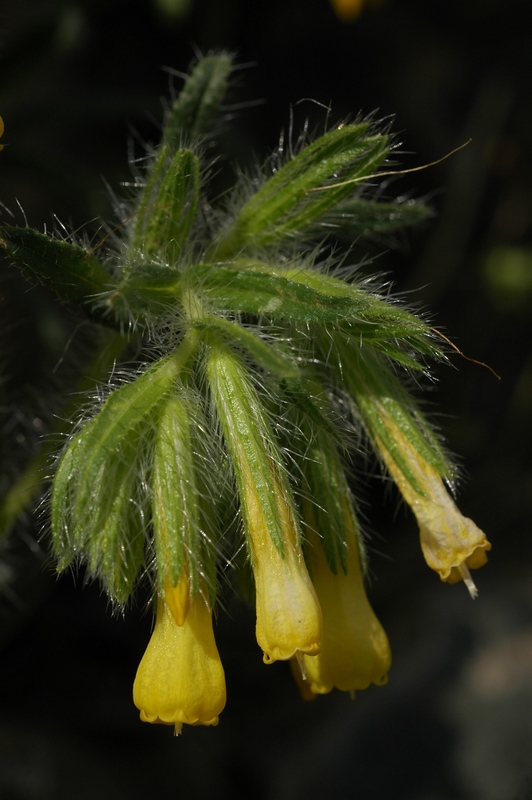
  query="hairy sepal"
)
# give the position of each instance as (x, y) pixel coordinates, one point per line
(252, 446)
(358, 216)
(92, 466)
(377, 392)
(179, 493)
(287, 204)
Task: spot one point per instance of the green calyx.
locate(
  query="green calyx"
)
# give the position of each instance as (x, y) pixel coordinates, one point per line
(181, 497)
(255, 456)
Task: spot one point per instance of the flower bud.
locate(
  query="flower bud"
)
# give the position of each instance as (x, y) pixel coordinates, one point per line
(169, 205)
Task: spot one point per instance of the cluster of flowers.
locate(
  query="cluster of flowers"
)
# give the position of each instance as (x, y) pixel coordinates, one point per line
(272, 370)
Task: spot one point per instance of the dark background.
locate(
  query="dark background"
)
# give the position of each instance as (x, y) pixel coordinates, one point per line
(77, 82)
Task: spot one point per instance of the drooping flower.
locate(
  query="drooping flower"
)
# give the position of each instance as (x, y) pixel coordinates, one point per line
(452, 544)
(288, 612)
(180, 679)
(354, 647)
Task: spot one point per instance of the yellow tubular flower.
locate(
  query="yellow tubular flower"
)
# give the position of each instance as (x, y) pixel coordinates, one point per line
(288, 612)
(180, 679)
(354, 647)
(452, 544)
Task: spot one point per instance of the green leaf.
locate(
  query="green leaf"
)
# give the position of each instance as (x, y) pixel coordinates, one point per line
(74, 273)
(252, 291)
(304, 295)
(66, 545)
(287, 202)
(124, 418)
(375, 320)
(272, 295)
(299, 294)
(121, 417)
(108, 529)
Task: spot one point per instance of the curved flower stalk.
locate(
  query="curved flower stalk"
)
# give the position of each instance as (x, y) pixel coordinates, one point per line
(180, 680)
(452, 544)
(254, 348)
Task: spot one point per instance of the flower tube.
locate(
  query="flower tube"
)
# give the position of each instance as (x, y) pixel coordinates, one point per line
(180, 679)
(354, 647)
(288, 613)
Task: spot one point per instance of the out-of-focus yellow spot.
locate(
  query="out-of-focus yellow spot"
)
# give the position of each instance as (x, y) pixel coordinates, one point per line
(350, 10)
